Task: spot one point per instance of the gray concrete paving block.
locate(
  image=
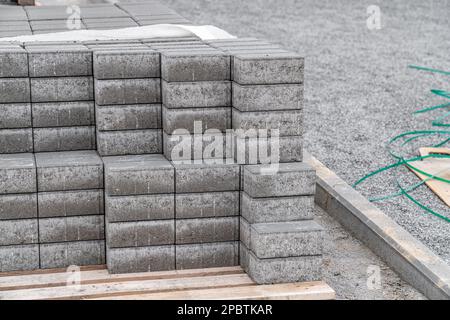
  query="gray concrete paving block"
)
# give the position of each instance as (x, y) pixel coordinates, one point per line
(71, 203)
(260, 68)
(24, 231)
(207, 205)
(126, 64)
(127, 91)
(207, 118)
(277, 209)
(287, 179)
(141, 259)
(59, 62)
(68, 229)
(287, 122)
(62, 89)
(207, 230)
(64, 139)
(111, 143)
(281, 270)
(18, 206)
(267, 97)
(14, 90)
(140, 208)
(282, 239)
(138, 175)
(81, 253)
(196, 94)
(147, 22)
(140, 233)
(13, 62)
(17, 173)
(19, 258)
(128, 117)
(15, 115)
(207, 255)
(69, 170)
(195, 66)
(16, 140)
(63, 114)
(206, 177)
(170, 40)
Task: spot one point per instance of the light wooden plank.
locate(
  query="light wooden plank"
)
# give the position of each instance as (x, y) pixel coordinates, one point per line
(291, 291)
(126, 287)
(48, 271)
(45, 280)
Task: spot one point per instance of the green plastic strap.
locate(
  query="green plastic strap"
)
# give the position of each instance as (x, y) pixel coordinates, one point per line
(429, 69)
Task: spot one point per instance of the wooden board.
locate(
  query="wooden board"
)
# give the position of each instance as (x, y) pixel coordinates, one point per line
(437, 167)
(97, 283)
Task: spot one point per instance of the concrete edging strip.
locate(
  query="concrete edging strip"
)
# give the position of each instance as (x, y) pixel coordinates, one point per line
(412, 260)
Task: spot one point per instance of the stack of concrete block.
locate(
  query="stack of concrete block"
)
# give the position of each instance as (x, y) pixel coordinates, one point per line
(279, 240)
(128, 101)
(140, 213)
(196, 95)
(16, 135)
(62, 97)
(207, 215)
(19, 245)
(70, 206)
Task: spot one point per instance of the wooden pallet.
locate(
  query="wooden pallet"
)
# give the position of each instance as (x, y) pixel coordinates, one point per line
(97, 283)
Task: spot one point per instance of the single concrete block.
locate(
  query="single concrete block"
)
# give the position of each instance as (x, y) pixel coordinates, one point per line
(206, 177)
(281, 270)
(67, 229)
(63, 114)
(128, 117)
(14, 90)
(196, 94)
(140, 208)
(274, 97)
(71, 203)
(111, 143)
(138, 175)
(213, 146)
(16, 140)
(127, 91)
(62, 255)
(70, 170)
(59, 61)
(260, 68)
(13, 62)
(207, 205)
(277, 209)
(64, 139)
(268, 149)
(282, 239)
(140, 233)
(287, 122)
(24, 231)
(17, 173)
(289, 179)
(19, 258)
(15, 115)
(141, 259)
(126, 64)
(207, 255)
(196, 119)
(18, 206)
(62, 89)
(207, 230)
(210, 65)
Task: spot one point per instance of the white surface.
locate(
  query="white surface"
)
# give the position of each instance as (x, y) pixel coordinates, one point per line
(145, 32)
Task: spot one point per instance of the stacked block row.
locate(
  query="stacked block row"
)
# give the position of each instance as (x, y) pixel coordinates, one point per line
(51, 212)
(279, 240)
(46, 99)
(128, 100)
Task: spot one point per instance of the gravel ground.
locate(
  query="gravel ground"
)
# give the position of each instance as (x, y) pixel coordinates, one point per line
(359, 92)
